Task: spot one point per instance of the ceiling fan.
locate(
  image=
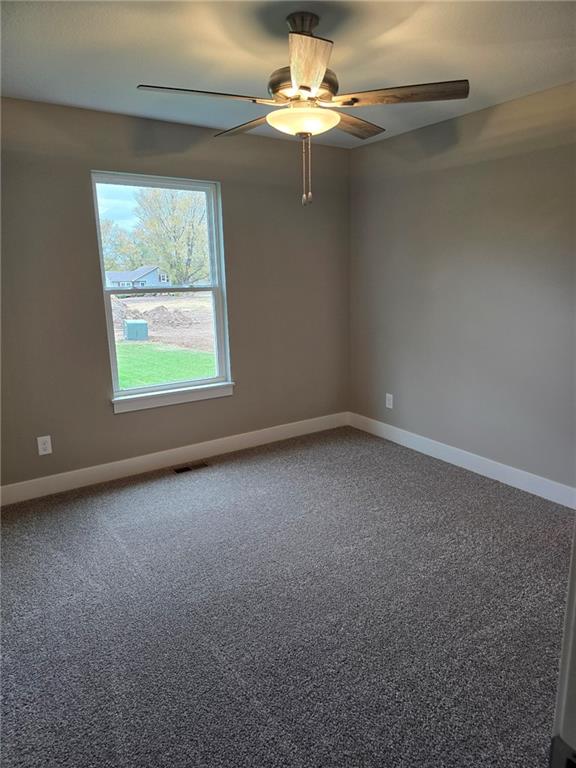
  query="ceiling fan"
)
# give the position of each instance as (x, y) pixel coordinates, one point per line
(306, 92)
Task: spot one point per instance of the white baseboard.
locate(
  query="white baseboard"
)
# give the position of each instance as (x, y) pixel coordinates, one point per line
(518, 478)
(77, 478)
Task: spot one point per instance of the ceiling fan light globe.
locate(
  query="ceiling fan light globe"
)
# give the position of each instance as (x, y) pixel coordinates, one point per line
(303, 119)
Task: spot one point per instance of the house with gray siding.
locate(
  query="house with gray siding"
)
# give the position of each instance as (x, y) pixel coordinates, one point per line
(143, 277)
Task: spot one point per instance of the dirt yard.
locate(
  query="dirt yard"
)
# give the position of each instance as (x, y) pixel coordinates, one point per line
(184, 321)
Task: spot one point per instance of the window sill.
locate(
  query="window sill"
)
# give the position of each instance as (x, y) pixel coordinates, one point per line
(125, 403)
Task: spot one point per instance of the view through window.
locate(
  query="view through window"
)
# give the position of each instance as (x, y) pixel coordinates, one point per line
(162, 272)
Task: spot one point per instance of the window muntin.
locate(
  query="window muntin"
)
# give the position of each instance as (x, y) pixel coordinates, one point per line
(163, 280)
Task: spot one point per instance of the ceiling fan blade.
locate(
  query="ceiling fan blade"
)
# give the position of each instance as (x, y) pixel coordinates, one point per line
(243, 127)
(404, 94)
(309, 57)
(362, 129)
(168, 89)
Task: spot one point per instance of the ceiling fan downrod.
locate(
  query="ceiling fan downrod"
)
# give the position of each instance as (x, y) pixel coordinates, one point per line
(306, 167)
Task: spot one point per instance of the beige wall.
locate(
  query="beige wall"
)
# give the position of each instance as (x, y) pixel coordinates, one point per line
(286, 271)
(462, 282)
(457, 273)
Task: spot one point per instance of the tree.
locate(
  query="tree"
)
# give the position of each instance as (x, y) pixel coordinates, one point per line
(172, 233)
(108, 233)
(119, 250)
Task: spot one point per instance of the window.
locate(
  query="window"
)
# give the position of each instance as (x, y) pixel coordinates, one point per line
(162, 267)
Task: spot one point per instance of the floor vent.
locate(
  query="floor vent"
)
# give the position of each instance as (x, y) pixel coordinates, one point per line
(190, 467)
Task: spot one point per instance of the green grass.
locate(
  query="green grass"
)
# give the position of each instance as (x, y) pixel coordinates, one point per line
(145, 364)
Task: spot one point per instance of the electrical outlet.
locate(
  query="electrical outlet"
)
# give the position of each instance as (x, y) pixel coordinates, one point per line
(389, 400)
(44, 445)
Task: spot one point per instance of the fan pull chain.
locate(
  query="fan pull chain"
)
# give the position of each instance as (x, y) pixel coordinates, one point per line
(306, 168)
(304, 198)
(309, 148)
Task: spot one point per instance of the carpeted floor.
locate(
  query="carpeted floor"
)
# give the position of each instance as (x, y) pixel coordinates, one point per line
(331, 601)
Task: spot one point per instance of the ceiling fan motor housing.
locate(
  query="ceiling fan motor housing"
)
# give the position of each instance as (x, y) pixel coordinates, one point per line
(281, 81)
(303, 22)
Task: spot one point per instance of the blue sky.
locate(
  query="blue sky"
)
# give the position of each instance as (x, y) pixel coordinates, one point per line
(118, 203)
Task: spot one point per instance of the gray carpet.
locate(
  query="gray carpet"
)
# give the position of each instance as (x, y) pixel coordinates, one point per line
(330, 601)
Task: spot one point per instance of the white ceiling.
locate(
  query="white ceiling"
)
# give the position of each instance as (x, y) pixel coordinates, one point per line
(93, 54)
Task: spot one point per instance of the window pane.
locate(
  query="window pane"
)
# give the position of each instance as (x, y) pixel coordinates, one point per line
(164, 338)
(152, 236)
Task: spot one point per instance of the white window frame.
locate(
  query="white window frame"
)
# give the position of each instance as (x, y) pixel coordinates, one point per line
(183, 391)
